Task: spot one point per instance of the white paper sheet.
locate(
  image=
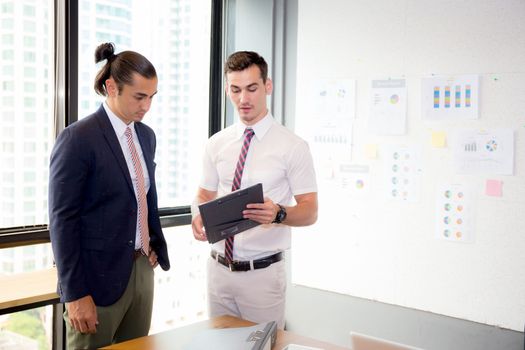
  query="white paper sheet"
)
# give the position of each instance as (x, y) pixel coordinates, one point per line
(488, 152)
(448, 98)
(454, 213)
(388, 106)
(330, 124)
(403, 173)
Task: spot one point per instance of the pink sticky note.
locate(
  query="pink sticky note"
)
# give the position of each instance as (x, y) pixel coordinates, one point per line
(494, 188)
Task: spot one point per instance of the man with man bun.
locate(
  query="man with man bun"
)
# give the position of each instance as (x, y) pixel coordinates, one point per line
(103, 216)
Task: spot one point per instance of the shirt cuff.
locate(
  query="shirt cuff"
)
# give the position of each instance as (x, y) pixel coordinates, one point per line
(194, 209)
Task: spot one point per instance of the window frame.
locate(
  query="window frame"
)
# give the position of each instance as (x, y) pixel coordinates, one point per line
(66, 105)
(66, 77)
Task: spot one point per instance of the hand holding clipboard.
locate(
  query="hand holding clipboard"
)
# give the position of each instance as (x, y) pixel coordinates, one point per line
(222, 217)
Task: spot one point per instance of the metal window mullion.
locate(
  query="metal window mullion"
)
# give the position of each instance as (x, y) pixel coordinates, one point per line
(59, 102)
(216, 58)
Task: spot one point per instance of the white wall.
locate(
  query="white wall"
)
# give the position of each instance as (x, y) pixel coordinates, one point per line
(401, 262)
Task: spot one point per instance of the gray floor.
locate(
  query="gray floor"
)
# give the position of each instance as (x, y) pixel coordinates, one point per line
(330, 317)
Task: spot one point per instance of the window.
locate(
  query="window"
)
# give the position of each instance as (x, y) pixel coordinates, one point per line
(29, 147)
(8, 39)
(29, 11)
(7, 8)
(28, 329)
(29, 26)
(29, 41)
(29, 192)
(8, 55)
(8, 192)
(132, 25)
(27, 104)
(29, 162)
(7, 71)
(29, 72)
(30, 117)
(174, 305)
(29, 57)
(6, 23)
(8, 86)
(23, 89)
(179, 116)
(29, 265)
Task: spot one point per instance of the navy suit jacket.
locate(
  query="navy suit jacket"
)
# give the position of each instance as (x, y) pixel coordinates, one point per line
(93, 210)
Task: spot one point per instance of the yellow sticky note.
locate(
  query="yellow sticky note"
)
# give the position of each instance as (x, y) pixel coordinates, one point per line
(494, 188)
(439, 139)
(371, 151)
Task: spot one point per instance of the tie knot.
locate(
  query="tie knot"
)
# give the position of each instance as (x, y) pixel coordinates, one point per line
(248, 133)
(127, 132)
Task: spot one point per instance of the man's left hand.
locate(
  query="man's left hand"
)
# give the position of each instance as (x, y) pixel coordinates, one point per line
(153, 258)
(263, 213)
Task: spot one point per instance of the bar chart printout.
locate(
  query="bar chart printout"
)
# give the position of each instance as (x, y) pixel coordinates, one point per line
(450, 98)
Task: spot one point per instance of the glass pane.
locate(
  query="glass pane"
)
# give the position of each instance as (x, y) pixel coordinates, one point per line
(175, 36)
(26, 109)
(27, 330)
(180, 293)
(25, 259)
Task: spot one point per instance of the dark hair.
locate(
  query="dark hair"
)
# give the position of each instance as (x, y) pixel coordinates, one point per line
(242, 60)
(120, 67)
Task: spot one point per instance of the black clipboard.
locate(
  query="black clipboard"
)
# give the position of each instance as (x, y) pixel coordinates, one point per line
(222, 217)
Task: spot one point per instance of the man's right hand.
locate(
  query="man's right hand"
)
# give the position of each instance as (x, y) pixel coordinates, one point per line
(82, 315)
(198, 229)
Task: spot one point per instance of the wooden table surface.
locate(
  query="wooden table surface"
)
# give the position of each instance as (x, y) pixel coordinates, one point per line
(28, 288)
(178, 337)
(40, 286)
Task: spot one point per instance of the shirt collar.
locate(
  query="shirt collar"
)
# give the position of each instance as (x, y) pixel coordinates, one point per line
(260, 128)
(116, 122)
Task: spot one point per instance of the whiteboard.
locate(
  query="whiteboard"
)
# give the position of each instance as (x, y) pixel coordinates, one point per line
(371, 247)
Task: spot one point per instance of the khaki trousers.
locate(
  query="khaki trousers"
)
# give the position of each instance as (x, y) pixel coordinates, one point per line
(128, 318)
(256, 295)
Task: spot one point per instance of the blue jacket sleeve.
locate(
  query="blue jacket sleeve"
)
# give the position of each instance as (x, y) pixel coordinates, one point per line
(69, 168)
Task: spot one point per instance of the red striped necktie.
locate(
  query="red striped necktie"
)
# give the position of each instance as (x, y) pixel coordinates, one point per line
(248, 135)
(140, 188)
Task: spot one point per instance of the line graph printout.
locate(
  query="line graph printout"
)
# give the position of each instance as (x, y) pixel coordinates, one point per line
(484, 152)
(333, 112)
(449, 98)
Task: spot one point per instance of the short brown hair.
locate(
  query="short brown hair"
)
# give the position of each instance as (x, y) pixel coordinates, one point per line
(120, 67)
(242, 60)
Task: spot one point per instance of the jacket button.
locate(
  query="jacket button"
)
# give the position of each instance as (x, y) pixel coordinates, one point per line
(130, 243)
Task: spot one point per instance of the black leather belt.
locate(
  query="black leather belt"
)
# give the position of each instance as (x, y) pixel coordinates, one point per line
(247, 265)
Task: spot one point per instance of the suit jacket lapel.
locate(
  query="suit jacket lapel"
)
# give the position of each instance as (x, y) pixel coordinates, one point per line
(111, 138)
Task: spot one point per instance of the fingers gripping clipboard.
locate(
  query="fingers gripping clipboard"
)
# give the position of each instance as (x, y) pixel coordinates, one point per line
(222, 217)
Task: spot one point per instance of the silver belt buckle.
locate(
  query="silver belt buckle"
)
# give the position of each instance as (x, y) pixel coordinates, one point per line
(231, 264)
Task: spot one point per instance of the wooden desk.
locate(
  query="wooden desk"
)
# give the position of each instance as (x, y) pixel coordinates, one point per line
(28, 290)
(177, 338)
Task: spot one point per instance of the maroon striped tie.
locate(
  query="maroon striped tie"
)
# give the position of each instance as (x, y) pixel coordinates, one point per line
(142, 204)
(248, 135)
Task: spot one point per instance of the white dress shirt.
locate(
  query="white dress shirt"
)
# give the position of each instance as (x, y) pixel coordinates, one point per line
(278, 159)
(120, 128)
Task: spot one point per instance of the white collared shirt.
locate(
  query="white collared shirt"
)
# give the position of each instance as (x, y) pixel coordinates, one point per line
(120, 128)
(278, 159)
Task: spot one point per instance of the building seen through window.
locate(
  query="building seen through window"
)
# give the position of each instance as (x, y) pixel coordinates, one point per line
(175, 36)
